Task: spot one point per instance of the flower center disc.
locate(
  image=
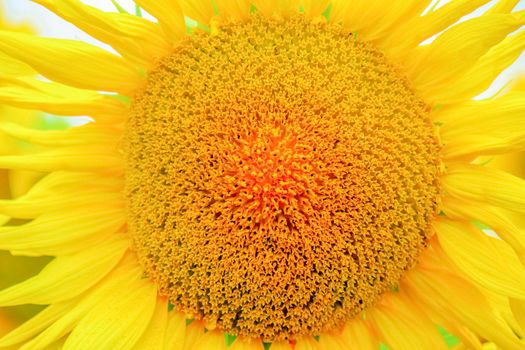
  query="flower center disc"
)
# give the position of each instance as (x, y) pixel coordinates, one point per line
(280, 176)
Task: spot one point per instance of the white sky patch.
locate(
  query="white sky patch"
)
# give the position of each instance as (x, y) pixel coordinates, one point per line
(491, 233)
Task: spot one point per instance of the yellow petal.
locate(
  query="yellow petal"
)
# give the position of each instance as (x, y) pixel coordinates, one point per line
(63, 232)
(241, 343)
(503, 6)
(12, 66)
(118, 321)
(486, 114)
(67, 276)
(170, 16)
(281, 345)
(26, 207)
(490, 216)
(153, 337)
(307, 343)
(512, 163)
(73, 158)
(72, 62)
(481, 262)
(486, 185)
(393, 14)
(457, 49)
(374, 19)
(200, 10)
(193, 334)
(84, 134)
(470, 340)
(126, 273)
(468, 147)
(61, 183)
(175, 331)
(59, 99)
(279, 7)
(358, 334)
(40, 198)
(61, 179)
(518, 83)
(413, 32)
(64, 181)
(314, 8)
(339, 12)
(211, 340)
(453, 297)
(502, 307)
(36, 324)
(58, 345)
(135, 38)
(329, 341)
(402, 325)
(479, 78)
(237, 9)
(518, 310)
(20, 181)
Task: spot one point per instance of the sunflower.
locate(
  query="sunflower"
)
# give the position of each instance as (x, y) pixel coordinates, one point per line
(289, 174)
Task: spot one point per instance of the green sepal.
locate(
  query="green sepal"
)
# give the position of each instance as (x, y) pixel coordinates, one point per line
(328, 12)
(118, 7)
(450, 339)
(138, 11)
(229, 339)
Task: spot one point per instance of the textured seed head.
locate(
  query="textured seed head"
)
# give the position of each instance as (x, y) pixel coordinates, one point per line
(281, 175)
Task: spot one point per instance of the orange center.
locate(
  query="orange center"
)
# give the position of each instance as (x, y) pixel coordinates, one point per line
(281, 175)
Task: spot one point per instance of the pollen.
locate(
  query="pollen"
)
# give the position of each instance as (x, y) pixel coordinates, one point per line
(281, 174)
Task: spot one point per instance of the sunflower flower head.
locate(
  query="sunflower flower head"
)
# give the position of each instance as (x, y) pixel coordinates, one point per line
(275, 178)
(263, 174)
